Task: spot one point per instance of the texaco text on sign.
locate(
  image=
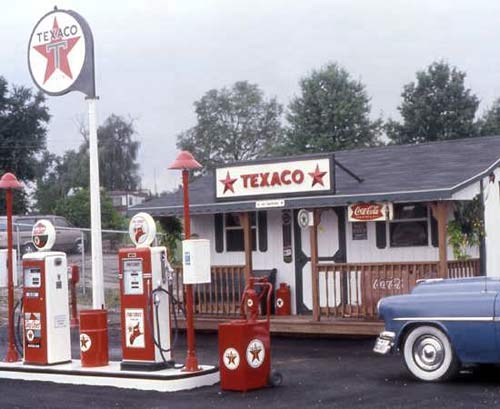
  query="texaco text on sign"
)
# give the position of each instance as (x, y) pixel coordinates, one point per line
(302, 176)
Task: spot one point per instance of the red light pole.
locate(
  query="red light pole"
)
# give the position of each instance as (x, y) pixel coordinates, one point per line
(185, 161)
(9, 182)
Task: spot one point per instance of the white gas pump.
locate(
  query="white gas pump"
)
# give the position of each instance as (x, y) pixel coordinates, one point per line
(46, 338)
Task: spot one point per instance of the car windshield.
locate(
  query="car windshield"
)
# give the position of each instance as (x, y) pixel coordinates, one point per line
(3, 225)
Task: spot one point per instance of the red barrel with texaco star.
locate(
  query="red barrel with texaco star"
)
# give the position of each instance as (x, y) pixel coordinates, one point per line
(245, 345)
(94, 338)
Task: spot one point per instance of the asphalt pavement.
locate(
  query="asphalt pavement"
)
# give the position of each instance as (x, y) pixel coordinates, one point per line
(318, 373)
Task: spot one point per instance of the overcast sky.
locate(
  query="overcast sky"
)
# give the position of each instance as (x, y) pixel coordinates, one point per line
(154, 58)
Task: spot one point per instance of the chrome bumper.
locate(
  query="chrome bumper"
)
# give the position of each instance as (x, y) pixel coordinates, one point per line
(384, 342)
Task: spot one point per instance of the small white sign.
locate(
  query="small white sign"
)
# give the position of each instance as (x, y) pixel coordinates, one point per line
(196, 261)
(60, 321)
(134, 327)
(262, 204)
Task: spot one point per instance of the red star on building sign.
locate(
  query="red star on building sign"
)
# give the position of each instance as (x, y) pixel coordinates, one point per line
(228, 183)
(317, 177)
(56, 52)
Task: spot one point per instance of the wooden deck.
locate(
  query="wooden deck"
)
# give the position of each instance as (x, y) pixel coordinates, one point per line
(302, 325)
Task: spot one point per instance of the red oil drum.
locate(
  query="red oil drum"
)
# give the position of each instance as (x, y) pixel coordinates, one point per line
(283, 302)
(94, 338)
(244, 355)
(245, 345)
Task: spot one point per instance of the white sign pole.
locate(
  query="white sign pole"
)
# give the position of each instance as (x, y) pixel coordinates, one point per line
(98, 301)
(61, 60)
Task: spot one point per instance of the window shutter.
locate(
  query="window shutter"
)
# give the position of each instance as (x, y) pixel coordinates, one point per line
(262, 229)
(381, 235)
(434, 232)
(219, 232)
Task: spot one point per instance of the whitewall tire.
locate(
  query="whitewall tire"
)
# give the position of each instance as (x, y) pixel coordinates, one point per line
(428, 354)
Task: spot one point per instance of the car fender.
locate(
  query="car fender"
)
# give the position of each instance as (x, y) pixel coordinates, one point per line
(409, 325)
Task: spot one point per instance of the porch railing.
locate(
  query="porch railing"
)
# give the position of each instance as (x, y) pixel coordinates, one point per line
(351, 290)
(463, 269)
(221, 297)
(346, 290)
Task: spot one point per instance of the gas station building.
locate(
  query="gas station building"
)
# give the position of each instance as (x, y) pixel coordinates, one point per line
(374, 222)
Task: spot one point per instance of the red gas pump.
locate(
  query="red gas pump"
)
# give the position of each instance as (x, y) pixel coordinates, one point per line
(245, 345)
(45, 301)
(145, 310)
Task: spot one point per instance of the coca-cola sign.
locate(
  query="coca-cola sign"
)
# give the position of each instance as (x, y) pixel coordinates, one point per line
(370, 212)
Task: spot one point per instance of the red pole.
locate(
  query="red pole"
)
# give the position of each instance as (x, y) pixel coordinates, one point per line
(74, 280)
(191, 364)
(12, 355)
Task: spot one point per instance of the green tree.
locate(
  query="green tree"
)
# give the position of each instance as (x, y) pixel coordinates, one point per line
(436, 107)
(118, 151)
(233, 124)
(58, 175)
(23, 119)
(331, 113)
(76, 209)
(118, 167)
(170, 230)
(489, 123)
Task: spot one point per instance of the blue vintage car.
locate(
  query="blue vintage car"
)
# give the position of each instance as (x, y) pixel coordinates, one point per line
(442, 325)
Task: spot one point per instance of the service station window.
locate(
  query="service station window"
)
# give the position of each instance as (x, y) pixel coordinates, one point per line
(234, 232)
(410, 226)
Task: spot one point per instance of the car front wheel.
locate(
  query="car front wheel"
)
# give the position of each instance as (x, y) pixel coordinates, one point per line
(428, 354)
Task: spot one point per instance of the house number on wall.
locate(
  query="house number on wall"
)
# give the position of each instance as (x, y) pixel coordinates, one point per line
(387, 284)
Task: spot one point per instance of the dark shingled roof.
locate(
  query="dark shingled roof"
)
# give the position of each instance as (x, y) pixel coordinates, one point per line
(428, 171)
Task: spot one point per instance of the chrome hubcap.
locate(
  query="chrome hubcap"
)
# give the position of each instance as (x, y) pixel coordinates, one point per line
(428, 353)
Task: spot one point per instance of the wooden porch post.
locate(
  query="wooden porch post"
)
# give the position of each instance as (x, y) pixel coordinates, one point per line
(247, 239)
(442, 219)
(314, 265)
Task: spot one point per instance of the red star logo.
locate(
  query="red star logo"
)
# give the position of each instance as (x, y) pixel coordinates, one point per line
(228, 183)
(317, 176)
(56, 52)
(255, 351)
(83, 342)
(231, 358)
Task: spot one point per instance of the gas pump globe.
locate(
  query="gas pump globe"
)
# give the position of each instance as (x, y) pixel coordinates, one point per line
(46, 338)
(145, 300)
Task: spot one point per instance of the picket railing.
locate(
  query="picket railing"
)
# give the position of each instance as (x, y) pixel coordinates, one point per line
(352, 290)
(346, 290)
(221, 297)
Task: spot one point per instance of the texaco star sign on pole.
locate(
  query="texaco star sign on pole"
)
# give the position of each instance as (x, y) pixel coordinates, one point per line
(61, 60)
